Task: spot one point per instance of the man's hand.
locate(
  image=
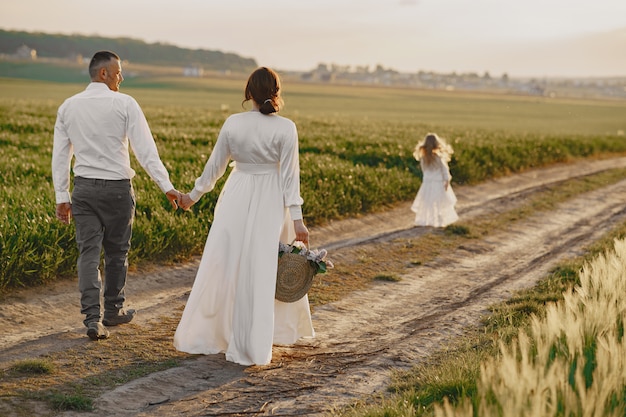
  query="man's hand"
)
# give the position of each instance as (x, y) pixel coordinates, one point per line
(173, 196)
(64, 212)
(186, 202)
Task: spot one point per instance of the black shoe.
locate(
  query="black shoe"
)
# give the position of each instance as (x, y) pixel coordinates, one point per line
(122, 317)
(96, 331)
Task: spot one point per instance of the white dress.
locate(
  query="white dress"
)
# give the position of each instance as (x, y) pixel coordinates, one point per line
(434, 205)
(231, 307)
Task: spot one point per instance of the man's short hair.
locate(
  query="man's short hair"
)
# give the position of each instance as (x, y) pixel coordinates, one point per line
(99, 60)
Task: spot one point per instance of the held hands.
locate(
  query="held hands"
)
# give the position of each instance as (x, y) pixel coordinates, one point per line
(179, 199)
(185, 202)
(64, 212)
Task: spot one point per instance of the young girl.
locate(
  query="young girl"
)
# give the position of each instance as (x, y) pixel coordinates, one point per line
(435, 200)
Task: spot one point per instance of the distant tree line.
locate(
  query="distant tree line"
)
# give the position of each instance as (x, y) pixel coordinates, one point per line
(133, 50)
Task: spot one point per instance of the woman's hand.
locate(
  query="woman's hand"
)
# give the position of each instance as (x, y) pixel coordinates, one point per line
(302, 233)
(185, 202)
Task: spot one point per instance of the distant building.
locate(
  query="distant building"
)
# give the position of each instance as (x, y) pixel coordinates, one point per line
(25, 52)
(193, 71)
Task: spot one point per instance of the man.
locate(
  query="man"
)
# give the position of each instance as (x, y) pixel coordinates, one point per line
(96, 126)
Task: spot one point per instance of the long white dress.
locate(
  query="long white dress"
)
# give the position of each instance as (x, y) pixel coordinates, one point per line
(434, 205)
(231, 307)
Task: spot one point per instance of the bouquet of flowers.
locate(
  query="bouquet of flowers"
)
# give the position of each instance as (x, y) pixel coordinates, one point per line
(316, 256)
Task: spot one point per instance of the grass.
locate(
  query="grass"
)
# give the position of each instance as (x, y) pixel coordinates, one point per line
(33, 367)
(388, 278)
(458, 229)
(578, 340)
(356, 156)
(65, 402)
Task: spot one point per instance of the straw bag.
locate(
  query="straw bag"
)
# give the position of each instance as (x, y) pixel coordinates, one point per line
(294, 277)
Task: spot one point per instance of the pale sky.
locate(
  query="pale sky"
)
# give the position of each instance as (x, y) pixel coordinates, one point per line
(521, 38)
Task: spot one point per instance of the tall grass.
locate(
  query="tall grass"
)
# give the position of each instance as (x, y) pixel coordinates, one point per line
(570, 362)
(355, 150)
(452, 380)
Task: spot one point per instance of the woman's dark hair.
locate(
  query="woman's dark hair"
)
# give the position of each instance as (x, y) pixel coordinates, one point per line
(264, 88)
(99, 60)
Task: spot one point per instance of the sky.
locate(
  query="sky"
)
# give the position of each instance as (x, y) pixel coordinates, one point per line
(540, 38)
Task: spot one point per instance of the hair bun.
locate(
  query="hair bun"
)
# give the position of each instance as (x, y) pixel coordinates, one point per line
(268, 107)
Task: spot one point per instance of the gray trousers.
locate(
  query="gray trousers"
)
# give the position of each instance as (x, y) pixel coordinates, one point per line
(103, 211)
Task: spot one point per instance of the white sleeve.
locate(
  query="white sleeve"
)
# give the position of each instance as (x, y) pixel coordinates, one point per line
(142, 143)
(62, 152)
(215, 166)
(290, 174)
(445, 171)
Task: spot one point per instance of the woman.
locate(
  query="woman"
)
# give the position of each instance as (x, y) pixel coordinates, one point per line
(231, 307)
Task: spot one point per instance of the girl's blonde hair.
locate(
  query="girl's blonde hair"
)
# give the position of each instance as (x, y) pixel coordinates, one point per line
(432, 145)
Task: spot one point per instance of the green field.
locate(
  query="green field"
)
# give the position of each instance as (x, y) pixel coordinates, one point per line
(356, 148)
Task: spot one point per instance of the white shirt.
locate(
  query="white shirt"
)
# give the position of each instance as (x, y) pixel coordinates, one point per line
(96, 126)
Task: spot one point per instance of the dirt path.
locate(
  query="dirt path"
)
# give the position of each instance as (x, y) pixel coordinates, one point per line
(359, 338)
